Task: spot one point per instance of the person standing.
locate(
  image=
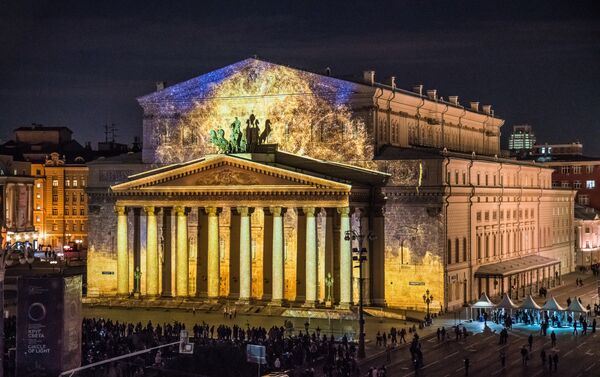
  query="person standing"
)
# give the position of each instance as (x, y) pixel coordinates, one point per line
(524, 355)
(555, 358)
(530, 341)
(502, 359)
(594, 326)
(467, 366)
(553, 338)
(543, 357)
(574, 327)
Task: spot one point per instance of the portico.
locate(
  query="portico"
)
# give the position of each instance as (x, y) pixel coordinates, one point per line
(243, 227)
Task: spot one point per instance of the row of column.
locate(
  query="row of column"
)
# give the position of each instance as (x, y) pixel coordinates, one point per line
(245, 258)
(18, 214)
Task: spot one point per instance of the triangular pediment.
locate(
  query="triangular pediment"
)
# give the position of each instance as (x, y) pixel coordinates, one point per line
(223, 173)
(199, 88)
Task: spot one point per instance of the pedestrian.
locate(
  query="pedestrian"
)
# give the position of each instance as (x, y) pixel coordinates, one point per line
(543, 357)
(524, 355)
(439, 334)
(553, 338)
(530, 341)
(574, 327)
(466, 366)
(594, 326)
(502, 358)
(555, 358)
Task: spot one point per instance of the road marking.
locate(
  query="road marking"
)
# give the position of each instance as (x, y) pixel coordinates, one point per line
(581, 344)
(430, 364)
(568, 352)
(450, 355)
(459, 369)
(589, 352)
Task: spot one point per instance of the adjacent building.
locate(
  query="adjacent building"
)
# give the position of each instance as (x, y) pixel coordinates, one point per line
(419, 172)
(521, 141)
(587, 236)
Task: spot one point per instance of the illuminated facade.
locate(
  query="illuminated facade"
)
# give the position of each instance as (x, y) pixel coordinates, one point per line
(16, 201)
(420, 143)
(60, 202)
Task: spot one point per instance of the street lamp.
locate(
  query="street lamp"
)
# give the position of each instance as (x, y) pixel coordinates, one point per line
(359, 254)
(428, 299)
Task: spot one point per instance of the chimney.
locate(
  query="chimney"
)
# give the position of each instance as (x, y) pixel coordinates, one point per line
(160, 85)
(393, 82)
(474, 106)
(487, 109)
(369, 77)
(418, 89)
(453, 100)
(432, 94)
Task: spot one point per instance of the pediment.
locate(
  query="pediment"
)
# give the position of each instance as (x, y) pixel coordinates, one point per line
(223, 173)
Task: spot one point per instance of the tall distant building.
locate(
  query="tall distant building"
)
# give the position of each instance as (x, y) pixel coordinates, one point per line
(521, 140)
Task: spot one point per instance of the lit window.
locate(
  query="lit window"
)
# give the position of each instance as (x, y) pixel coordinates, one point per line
(38, 196)
(38, 185)
(577, 184)
(37, 219)
(576, 169)
(55, 183)
(83, 183)
(68, 183)
(589, 169)
(54, 227)
(74, 183)
(590, 184)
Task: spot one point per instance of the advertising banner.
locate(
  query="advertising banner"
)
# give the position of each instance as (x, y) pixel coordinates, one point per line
(48, 325)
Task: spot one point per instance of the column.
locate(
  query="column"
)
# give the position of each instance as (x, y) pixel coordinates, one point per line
(311, 256)
(182, 253)
(30, 206)
(277, 257)
(137, 252)
(167, 287)
(329, 256)
(345, 259)
(122, 257)
(378, 257)
(151, 252)
(245, 259)
(300, 256)
(213, 253)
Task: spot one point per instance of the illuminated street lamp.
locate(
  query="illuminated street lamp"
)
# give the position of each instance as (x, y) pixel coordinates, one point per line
(359, 254)
(428, 299)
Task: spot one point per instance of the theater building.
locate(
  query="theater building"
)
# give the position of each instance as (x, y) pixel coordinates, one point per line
(419, 173)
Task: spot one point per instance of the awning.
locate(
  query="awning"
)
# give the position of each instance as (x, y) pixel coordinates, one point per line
(551, 304)
(529, 303)
(514, 266)
(483, 302)
(506, 303)
(576, 306)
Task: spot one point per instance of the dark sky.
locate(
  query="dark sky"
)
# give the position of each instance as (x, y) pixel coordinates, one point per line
(81, 64)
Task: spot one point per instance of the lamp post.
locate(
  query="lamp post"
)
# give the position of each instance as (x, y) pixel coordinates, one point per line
(359, 254)
(428, 299)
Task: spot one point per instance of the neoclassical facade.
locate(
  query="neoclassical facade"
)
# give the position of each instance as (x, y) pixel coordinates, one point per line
(448, 214)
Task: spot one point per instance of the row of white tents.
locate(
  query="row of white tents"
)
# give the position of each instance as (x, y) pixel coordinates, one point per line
(529, 303)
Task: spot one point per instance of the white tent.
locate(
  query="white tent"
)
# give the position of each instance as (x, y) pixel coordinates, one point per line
(576, 306)
(529, 303)
(483, 302)
(506, 303)
(551, 304)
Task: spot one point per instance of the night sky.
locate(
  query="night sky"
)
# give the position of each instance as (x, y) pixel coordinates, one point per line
(81, 64)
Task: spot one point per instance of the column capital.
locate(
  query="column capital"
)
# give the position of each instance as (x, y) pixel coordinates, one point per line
(120, 210)
(309, 211)
(344, 211)
(212, 211)
(244, 211)
(179, 210)
(149, 210)
(276, 211)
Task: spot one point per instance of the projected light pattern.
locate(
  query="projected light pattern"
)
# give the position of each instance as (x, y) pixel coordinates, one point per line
(308, 112)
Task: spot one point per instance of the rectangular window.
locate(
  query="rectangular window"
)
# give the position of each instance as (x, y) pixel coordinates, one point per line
(74, 183)
(67, 226)
(66, 212)
(576, 169)
(565, 184)
(464, 178)
(82, 211)
(67, 183)
(82, 227)
(589, 169)
(74, 227)
(478, 247)
(37, 219)
(38, 172)
(54, 212)
(565, 170)
(81, 197)
(583, 199)
(487, 215)
(478, 179)
(590, 184)
(478, 216)
(577, 184)
(38, 196)
(456, 250)
(38, 185)
(456, 177)
(55, 183)
(54, 198)
(82, 182)
(464, 249)
(55, 227)
(587, 229)
(449, 252)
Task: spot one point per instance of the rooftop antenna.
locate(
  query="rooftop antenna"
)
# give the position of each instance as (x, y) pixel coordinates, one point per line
(113, 130)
